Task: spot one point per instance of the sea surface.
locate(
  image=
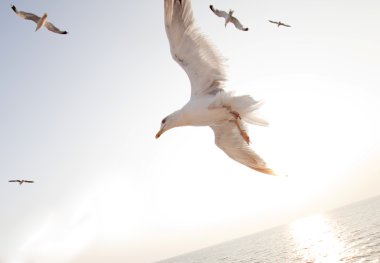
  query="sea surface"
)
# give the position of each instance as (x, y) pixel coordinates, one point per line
(348, 234)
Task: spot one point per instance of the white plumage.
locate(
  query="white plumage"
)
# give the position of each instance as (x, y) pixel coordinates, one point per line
(209, 104)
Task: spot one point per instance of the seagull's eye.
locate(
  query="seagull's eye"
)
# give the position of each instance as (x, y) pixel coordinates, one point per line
(163, 121)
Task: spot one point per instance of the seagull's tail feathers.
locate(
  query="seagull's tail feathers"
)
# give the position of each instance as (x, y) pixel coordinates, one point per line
(247, 107)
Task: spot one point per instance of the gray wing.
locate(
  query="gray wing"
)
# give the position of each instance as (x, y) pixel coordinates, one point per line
(14, 181)
(54, 29)
(192, 50)
(238, 25)
(273, 22)
(229, 139)
(282, 24)
(219, 13)
(25, 15)
(27, 181)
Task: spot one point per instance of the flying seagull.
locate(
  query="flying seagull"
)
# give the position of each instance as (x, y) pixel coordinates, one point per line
(210, 104)
(279, 23)
(20, 182)
(40, 21)
(229, 18)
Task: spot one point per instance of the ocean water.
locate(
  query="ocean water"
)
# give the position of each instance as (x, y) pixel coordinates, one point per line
(348, 234)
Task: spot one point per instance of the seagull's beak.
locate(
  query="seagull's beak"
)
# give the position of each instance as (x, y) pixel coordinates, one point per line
(159, 133)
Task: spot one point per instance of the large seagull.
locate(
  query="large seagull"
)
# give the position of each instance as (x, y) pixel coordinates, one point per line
(210, 104)
(40, 21)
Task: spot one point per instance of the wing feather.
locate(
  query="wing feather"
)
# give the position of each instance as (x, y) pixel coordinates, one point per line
(237, 24)
(192, 50)
(228, 138)
(25, 15)
(218, 12)
(54, 29)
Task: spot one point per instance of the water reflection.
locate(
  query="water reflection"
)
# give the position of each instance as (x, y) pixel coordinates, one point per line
(316, 240)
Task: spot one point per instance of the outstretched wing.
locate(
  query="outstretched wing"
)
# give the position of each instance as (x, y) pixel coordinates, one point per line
(282, 24)
(273, 22)
(14, 181)
(238, 25)
(27, 16)
(192, 50)
(27, 181)
(219, 13)
(229, 139)
(54, 29)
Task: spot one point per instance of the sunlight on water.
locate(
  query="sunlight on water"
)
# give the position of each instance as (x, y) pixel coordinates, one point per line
(350, 234)
(316, 240)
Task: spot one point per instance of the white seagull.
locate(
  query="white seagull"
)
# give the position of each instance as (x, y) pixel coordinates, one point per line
(209, 105)
(20, 182)
(40, 21)
(229, 18)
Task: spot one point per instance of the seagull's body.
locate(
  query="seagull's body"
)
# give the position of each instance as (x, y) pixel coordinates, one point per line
(278, 23)
(209, 105)
(229, 18)
(20, 182)
(40, 21)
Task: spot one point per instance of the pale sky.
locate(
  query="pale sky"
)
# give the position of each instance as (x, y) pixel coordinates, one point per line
(79, 113)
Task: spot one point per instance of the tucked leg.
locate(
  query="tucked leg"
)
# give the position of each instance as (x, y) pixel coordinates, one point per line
(243, 132)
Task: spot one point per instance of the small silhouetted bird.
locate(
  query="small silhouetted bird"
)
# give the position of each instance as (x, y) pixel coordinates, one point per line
(40, 21)
(20, 182)
(279, 23)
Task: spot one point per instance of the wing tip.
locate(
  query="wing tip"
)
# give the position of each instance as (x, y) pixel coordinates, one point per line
(14, 8)
(265, 170)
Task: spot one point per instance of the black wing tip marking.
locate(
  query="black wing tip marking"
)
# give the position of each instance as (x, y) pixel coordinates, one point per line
(64, 33)
(14, 8)
(245, 29)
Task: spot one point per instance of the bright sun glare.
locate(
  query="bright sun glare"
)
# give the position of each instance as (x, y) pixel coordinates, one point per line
(317, 235)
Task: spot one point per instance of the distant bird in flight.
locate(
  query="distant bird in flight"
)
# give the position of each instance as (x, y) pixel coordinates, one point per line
(40, 21)
(20, 182)
(210, 103)
(279, 23)
(229, 18)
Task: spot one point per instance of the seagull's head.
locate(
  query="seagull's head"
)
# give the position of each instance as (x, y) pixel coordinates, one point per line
(166, 124)
(171, 121)
(45, 15)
